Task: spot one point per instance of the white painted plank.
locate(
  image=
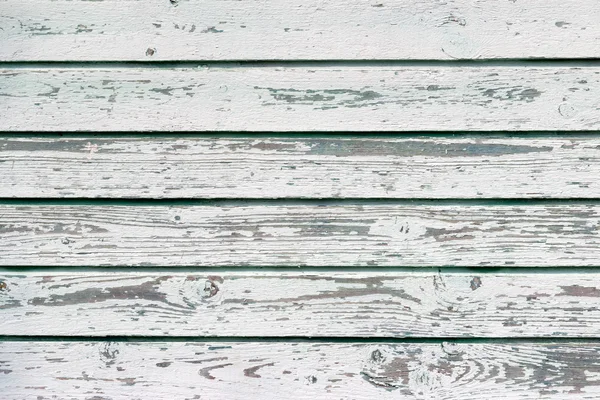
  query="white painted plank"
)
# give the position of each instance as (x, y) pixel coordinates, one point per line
(235, 234)
(300, 98)
(301, 370)
(297, 29)
(482, 166)
(316, 304)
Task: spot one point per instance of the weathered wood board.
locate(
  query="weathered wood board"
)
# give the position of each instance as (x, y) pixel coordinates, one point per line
(297, 30)
(478, 166)
(287, 98)
(316, 304)
(301, 370)
(326, 234)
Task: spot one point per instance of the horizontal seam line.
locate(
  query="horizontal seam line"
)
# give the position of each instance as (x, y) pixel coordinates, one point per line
(312, 135)
(301, 271)
(241, 202)
(260, 63)
(295, 339)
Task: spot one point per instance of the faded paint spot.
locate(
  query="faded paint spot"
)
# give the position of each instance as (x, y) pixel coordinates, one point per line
(514, 372)
(82, 29)
(327, 98)
(163, 364)
(218, 347)
(127, 381)
(579, 291)
(444, 235)
(434, 88)
(453, 19)
(475, 283)
(515, 93)
(211, 29)
(216, 278)
(166, 91)
(513, 322)
(108, 353)
(410, 148)
(205, 372)
(148, 291)
(251, 372)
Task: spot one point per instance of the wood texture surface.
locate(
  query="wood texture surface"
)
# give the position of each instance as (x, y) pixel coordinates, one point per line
(299, 98)
(478, 166)
(302, 370)
(297, 30)
(226, 156)
(235, 234)
(315, 304)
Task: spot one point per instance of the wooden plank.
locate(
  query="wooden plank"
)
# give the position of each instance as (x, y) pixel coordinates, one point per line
(240, 234)
(300, 98)
(301, 370)
(300, 167)
(297, 30)
(317, 304)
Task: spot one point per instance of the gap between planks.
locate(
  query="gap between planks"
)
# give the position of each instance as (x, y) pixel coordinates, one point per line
(282, 202)
(298, 339)
(239, 64)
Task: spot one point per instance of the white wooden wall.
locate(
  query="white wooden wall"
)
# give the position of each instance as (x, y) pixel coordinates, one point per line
(317, 199)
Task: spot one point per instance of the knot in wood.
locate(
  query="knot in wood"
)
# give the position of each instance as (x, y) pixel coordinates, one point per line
(377, 357)
(210, 289)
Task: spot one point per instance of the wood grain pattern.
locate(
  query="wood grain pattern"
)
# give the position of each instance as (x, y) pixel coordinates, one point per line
(302, 370)
(297, 30)
(299, 98)
(316, 304)
(235, 234)
(482, 166)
